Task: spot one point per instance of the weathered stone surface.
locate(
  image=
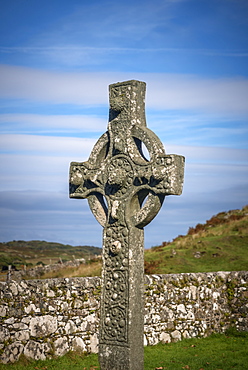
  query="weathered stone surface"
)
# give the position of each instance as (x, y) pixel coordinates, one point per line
(12, 352)
(36, 350)
(3, 311)
(165, 338)
(125, 191)
(22, 335)
(32, 308)
(4, 334)
(42, 326)
(78, 344)
(94, 342)
(13, 287)
(176, 335)
(61, 346)
(70, 327)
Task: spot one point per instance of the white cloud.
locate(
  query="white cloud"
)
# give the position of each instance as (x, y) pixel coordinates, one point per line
(203, 134)
(90, 23)
(208, 154)
(46, 145)
(79, 53)
(42, 163)
(71, 146)
(53, 87)
(20, 172)
(226, 95)
(164, 91)
(50, 123)
(204, 178)
(30, 162)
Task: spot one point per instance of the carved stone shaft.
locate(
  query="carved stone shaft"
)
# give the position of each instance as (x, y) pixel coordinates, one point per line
(125, 191)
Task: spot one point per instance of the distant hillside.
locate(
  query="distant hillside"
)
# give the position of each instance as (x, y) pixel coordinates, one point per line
(29, 253)
(221, 244)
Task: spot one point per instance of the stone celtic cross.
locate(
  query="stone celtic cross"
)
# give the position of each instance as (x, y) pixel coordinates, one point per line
(125, 191)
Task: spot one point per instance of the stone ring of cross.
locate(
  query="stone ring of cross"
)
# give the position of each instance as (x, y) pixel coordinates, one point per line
(118, 170)
(135, 181)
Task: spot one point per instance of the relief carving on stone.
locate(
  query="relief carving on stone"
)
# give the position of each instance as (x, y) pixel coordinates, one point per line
(125, 191)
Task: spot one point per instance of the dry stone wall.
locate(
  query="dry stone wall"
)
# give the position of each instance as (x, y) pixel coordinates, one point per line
(181, 306)
(45, 318)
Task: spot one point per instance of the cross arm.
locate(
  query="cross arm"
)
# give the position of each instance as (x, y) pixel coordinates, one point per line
(84, 180)
(164, 175)
(169, 171)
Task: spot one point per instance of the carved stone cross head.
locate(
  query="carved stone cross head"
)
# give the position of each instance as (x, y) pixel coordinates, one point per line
(125, 191)
(118, 177)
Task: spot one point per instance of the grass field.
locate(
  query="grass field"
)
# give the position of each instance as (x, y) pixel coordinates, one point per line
(218, 245)
(217, 352)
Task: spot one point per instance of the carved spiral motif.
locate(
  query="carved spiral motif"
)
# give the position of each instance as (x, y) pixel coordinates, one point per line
(115, 325)
(116, 287)
(115, 302)
(119, 177)
(116, 247)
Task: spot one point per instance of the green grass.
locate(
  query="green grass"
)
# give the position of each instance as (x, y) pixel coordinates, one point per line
(217, 352)
(219, 245)
(213, 353)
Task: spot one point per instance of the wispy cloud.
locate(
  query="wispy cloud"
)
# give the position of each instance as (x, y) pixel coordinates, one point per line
(72, 146)
(47, 145)
(226, 95)
(109, 21)
(52, 87)
(78, 56)
(210, 155)
(41, 162)
(79, 52)
(200, 130)
(193, 92)
(38, 123)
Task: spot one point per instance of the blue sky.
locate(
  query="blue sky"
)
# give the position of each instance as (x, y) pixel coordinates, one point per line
(57, 59)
